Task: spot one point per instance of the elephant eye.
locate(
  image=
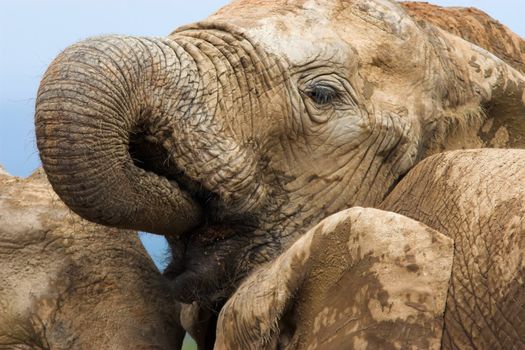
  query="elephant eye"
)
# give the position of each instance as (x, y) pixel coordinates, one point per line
(322, 94)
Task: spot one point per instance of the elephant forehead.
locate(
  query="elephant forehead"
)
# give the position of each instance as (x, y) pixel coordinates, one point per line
(332, 31)
(301, 38)
(295, 30)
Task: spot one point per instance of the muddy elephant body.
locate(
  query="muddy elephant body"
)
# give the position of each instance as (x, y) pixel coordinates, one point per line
(236, 135)
(71, 284)
(477, 198)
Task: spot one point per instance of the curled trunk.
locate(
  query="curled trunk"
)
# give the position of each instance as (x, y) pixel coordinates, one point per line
(101, 118)
(131, 133)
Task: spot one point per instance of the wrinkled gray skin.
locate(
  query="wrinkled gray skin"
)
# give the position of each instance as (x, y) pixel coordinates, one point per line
(477, 198)
(68, 284)
(235, 135)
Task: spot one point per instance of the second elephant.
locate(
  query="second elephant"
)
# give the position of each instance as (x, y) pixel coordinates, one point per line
(68, 284)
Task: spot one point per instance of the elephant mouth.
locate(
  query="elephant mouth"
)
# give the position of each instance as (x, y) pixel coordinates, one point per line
(201, 266)
(201, 256)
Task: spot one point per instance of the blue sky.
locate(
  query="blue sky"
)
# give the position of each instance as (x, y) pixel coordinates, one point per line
(33, 32)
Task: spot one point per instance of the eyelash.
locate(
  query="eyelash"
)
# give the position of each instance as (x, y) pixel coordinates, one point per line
(322, 95)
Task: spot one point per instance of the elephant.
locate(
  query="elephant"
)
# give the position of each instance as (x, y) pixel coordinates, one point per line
(236, 135)
(71, 284)
(322, 292)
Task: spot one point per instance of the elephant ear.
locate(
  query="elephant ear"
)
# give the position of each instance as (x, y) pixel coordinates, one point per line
(484, 81)
(362, 278)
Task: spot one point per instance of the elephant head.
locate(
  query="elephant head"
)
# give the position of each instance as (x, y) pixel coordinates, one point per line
(235, 135)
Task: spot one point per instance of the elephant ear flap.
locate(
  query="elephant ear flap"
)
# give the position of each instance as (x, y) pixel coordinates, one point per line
(482, 80)
(483, 99)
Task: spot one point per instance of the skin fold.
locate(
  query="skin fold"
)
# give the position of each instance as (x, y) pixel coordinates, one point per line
(235, 135)
(71, 284)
